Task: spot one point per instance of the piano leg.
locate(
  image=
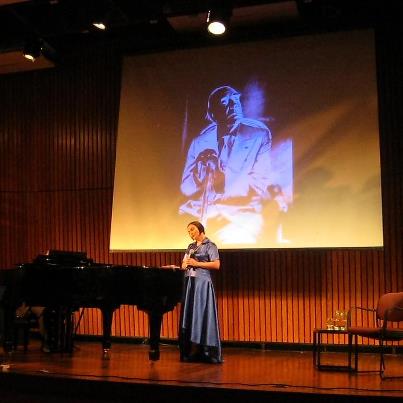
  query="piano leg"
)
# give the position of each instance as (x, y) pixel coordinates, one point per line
(155, 321)
(107, 315)
(7, 318)
(69, 331)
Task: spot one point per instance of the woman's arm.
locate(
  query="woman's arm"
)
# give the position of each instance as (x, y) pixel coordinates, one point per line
(214, 265)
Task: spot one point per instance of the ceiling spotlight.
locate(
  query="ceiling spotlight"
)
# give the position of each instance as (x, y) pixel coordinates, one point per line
(217, 21)
(99, 14)
(32, 49)
(100, 25)
(35, 47)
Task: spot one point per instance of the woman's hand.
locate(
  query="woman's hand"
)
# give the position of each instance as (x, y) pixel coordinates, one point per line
(189, 262)
(192, 262)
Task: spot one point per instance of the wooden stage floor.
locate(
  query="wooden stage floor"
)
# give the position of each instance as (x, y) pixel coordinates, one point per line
(247, 375)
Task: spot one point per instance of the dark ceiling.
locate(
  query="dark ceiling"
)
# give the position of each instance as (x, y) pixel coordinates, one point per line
(139, 25)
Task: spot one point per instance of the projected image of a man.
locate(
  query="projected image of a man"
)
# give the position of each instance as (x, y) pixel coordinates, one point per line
(227, 173)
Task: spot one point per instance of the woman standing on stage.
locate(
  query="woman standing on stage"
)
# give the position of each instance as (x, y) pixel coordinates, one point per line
(199, 337)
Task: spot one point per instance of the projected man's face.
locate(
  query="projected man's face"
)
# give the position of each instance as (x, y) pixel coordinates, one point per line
(226, 105)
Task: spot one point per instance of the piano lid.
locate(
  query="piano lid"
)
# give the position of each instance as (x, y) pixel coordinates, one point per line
(63, 257)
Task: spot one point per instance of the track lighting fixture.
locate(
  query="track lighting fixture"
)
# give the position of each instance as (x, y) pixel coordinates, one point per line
(100, 13)
(32, 49)
(217, 20)
(36, 47)
(101, 25)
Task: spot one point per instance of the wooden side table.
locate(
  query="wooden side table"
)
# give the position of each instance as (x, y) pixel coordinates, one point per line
(318, 347)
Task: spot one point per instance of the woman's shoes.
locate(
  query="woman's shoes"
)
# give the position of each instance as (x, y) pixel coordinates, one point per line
(191, 358)
(200, 357)
(209, 360)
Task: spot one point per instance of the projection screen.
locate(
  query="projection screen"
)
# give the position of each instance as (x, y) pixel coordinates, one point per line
(270, 144)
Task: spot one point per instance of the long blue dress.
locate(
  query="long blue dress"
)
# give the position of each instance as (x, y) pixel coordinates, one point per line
(199, 318)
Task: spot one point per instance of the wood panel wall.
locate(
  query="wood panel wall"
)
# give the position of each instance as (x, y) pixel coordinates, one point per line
(57, 153)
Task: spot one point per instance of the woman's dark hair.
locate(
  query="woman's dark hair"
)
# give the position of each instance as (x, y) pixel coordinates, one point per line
(198, 225)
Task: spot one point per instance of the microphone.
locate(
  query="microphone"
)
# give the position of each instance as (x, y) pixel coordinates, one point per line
(189, 255)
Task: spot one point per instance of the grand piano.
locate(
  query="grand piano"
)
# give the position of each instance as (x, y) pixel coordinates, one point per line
(64, 281)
